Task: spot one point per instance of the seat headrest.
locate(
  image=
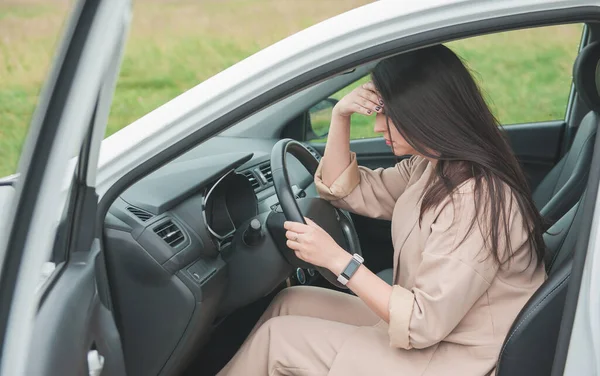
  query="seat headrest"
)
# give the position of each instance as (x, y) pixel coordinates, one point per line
(586, 75)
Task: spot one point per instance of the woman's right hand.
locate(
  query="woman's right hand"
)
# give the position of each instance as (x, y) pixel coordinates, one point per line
(363, 100)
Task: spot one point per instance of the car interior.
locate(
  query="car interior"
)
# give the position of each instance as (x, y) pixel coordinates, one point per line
(195, 250)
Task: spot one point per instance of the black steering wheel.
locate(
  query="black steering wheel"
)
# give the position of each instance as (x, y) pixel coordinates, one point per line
(333, 220)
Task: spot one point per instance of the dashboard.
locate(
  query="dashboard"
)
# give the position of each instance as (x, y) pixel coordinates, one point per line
(226, 205)
(177, 248)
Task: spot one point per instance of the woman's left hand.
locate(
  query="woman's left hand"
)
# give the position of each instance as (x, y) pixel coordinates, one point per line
(314, 245)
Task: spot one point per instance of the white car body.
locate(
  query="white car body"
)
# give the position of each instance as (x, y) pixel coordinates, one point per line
(348, 34)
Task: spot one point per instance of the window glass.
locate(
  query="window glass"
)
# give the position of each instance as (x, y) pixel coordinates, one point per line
(172, 46)
(525, 75)
(29, 34)
(175, 45)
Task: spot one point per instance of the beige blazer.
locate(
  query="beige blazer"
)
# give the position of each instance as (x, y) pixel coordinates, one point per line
(451, 305)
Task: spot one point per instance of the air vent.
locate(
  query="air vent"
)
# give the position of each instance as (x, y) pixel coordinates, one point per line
(265, 170)
(170, 233)
(252, 179)
(141, 214)
(313, 151)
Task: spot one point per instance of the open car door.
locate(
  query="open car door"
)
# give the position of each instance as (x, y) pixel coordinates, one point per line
(62, 324)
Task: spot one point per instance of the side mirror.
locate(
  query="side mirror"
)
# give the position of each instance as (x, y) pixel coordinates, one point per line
(319, 119)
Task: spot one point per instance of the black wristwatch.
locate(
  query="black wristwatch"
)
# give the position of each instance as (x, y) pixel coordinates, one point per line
(352, 267)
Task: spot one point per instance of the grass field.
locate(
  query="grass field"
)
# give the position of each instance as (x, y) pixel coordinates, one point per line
(175, 44)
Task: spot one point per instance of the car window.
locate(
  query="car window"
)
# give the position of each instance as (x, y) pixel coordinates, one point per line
(525, 76)
(29, 35)
(174, 46)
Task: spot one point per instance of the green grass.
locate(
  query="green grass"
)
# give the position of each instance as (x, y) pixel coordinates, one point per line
(175, 44)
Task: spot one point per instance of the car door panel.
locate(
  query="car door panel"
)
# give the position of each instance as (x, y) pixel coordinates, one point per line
(537, 146)
(73, 312)
(370, 152)
(48, 325)
(373, 153)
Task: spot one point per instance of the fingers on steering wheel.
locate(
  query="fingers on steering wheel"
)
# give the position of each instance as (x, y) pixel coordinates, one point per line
(293, 245)
(295, 226)
(310, 222)
(291, 235)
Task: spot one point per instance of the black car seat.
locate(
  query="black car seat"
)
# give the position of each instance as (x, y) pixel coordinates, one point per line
(529, 346)
(564, 184)
(562, 187)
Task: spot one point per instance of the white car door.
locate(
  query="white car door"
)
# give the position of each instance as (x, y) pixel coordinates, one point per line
(63, 327)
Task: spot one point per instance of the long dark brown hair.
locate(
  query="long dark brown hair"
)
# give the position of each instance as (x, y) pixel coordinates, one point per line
(436, 105)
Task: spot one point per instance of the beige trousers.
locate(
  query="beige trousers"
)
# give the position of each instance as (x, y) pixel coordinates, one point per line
(306, 330)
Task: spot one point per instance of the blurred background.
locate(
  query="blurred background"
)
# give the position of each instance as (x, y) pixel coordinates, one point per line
(175, 44)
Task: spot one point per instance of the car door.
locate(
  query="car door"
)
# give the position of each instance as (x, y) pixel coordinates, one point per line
(61, 324)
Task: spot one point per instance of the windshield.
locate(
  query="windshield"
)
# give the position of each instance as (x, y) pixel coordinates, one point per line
(173, 47)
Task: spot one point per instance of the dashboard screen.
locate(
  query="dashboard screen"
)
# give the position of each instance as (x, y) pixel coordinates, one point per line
(228, 203)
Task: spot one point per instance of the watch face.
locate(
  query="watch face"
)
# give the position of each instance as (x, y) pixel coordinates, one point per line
(351, 268)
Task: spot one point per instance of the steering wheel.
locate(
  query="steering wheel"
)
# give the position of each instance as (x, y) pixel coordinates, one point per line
(333, 220)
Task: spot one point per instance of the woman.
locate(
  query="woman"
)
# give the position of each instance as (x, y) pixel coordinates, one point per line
(467, 238)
